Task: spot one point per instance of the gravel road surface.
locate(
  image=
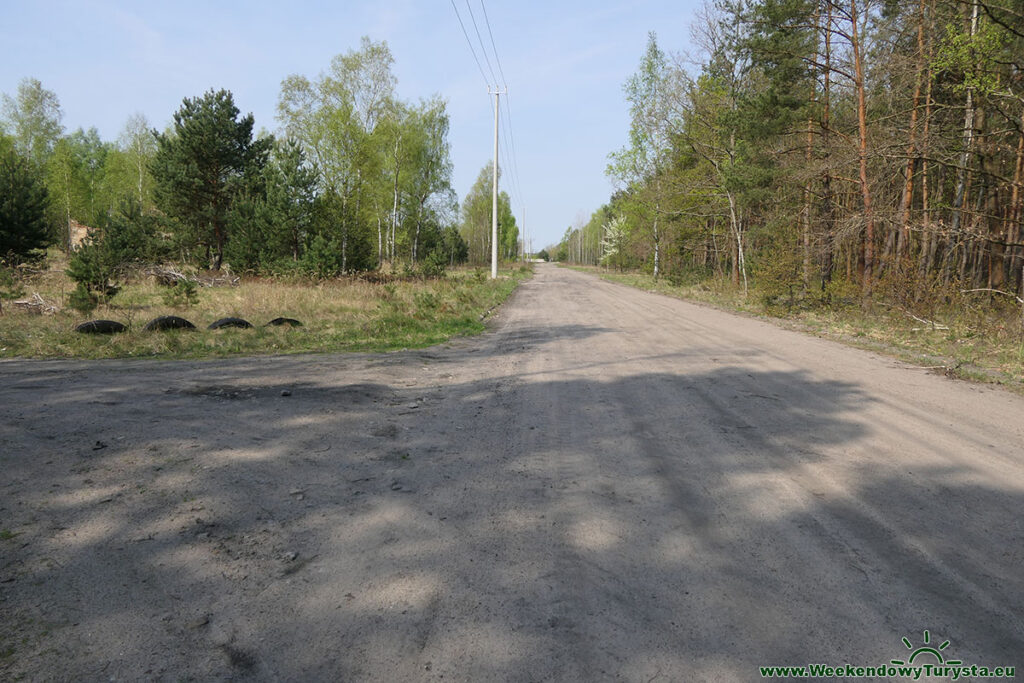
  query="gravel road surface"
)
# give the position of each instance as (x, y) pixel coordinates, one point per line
(608, 485)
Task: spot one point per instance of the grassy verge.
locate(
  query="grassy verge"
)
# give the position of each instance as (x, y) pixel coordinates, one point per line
(983, 342)
(347, 314)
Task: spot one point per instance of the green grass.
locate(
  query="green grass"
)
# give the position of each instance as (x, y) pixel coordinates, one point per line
(984, 340)
(345, 314)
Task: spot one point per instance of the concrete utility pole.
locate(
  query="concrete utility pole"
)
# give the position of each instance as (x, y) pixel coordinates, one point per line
(525, 253)
(494, 192)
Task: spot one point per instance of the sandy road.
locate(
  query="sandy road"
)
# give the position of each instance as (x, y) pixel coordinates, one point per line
(609, 485)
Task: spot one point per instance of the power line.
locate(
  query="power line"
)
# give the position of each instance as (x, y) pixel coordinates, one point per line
(507, 156)
(512, 140)
(493, 48)
(510, 136)
(514, 166)
(482, 48)
(507, 165)
(513, 181)
(510, 166)
(470, 43)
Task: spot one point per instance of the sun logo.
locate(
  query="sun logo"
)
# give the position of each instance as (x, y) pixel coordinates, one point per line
(926, 649)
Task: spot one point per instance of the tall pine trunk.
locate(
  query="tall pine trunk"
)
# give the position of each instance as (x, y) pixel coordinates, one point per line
(827, 199)
(912, 154)
(806, 219)
(862, 140)
(965, 159)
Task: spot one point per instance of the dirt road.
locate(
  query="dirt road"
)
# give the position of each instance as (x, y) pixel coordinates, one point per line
(609, 485)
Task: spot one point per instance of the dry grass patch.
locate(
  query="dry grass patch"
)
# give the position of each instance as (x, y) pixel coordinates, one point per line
(343, 314)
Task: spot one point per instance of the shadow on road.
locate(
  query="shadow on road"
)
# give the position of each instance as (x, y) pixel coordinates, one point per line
(518, 529)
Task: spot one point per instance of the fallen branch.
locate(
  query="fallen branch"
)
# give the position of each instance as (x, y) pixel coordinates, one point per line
(36, 304)
(997, 291)
(219, 280)
(934, 325)
(169, 277)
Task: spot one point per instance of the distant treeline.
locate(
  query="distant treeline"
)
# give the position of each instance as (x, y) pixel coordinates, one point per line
(823, 145)
(356, 179)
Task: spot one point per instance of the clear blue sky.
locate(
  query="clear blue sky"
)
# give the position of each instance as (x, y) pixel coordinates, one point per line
(564, 63)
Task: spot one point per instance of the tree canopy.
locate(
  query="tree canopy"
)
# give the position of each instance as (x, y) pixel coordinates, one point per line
(476, 227)
(23, 205)
(33, 119)
(821, 146)
(202, 165)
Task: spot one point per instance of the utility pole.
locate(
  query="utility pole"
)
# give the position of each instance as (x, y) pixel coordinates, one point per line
(494, 190)
(525, 253)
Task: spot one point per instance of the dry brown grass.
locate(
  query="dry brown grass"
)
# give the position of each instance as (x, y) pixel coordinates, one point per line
(341, 314)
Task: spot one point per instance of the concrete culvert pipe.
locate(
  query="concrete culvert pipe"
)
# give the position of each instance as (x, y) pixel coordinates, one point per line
(229, 322)
(168, 322)
(101, 327)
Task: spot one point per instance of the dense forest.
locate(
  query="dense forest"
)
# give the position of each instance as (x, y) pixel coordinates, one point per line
(872, 149)
(355, 179)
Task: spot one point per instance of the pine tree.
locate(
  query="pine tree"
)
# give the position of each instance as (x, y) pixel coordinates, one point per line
(202, 165)
(23, 205)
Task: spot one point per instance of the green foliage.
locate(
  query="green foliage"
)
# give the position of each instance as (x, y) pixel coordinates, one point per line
(201, 166)
(778, 277)
(426, 304)
(434, 265)
(969, 57)
(384, 172)
(82, 298)
(182, 294)
(290, 189)
(76, 177)
(128, 172)
(322, 258)
(271, 226)
(455, 249)
(477, 220)
(128, 239)
(337, 223)
(94, 270)
(23, 204)
(648, 132)
(32, 118)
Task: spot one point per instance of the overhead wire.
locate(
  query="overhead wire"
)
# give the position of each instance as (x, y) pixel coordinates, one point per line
(510, 137)
(470, 43)
(507, 152)
(493, 48)
(482, 48)
(512, 143)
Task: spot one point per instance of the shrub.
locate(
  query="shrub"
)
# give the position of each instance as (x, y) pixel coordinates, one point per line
(81, 299)
(23, 204)
(434, 265)
(426, 304)
(322, 258)
(128, 240)
(94, 271)
(183, 294)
